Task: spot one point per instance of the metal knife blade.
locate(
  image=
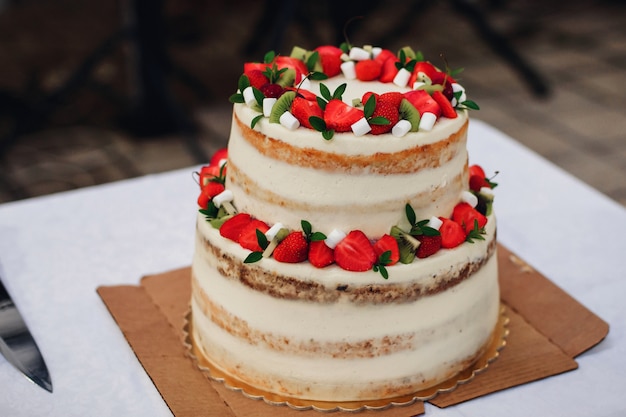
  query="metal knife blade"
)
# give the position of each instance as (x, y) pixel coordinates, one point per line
(18, 345)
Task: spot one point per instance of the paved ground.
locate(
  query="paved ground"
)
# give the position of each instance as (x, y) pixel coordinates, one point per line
(577, 48)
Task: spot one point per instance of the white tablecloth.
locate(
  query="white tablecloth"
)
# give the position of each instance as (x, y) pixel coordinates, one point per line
(56, 250)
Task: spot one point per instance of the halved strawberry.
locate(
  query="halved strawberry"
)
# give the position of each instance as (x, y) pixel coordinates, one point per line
(355, 252)
(339, 116)
(452, 234)
(389, 70)
(446, 107)
(247, 237)
(476, 182)
(387, 110)
(435, 75)
(330, 58)
(368, 69)
(320, 255)
(423, 102)
(303, 109)
(387, 243)
(250, 66)
(477, 170)
(290, 62)
(231, 229)
(218, 156)
(384, 55)
(464, 214)
(257, 78)
(429, 245)
(292, 249)
(209, 190)
(208, 173)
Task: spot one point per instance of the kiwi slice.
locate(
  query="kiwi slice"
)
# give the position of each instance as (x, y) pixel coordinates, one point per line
(409, 52)
(282, 105)
(300, 53)
(406, 243)
(410, 113)
(287, 78)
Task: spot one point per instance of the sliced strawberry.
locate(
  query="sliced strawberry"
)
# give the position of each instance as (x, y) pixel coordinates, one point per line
(355, 252)
(435, 75)
(248, 238)
(477, 170)
(250, 66)
(464, 214)
(476, 182)
(209, 190)
(218, 156)
(208, 173)
(389, 70)
(368, 69)
(387, 110)
(452, 234)
(303, 109)
(388, 243)
(231, 229)
(423, 102)
(330, 58)
(305, 94)
(339, 116)
(320, 255)
(385, 55)
(257, 78)
(429, 245)
(295, 63)
(446, 107)
(292, 249)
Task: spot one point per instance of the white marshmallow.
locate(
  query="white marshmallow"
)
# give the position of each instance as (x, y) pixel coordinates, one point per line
(401, 128)
(469, 198)
(487, 192)
(418, 84)
(289, 121)
(402, 77)
(248, 96)
(376, 51)
(334, 238)
(427, 121)
(361, 127)
(268, 103)
(359, 54)
(225, 196)
(348, 70)
(273, 231)
(434, 222)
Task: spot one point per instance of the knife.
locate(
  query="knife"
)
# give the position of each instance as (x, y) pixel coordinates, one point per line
(18, 345)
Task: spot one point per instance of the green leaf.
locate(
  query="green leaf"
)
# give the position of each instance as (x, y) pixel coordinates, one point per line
(328, 134)
(269, 57)
(236, 98)
(379, 120)
(339, 91)
(306, 227)
(255, 121)
(318, 123)
(261, 239)
(410, 214)
(318, 76)
(310, 63)
(317, 236)
(370, 106)
(325, 92)
(258, 96)
(382, 270)
(321, 102)
(253, 257)
(476, 233)
(243, 83)
(470, 105)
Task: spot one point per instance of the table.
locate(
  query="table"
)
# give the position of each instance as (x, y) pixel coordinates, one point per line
(56, 250)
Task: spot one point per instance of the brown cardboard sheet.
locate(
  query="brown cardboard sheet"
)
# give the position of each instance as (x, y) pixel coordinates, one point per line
(547, 330)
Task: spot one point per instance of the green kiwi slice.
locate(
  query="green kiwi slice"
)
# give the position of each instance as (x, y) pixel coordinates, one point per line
(282, 105)
(410, 113)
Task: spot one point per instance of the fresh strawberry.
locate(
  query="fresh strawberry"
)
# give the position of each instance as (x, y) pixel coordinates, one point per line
(303, 109)
(340, 116)
(209, 190)
(320, 255)
(368, 69)
(218, 156)
(476, 182)
(477, 170)
(231, 229)
(452, 234)
(387, 243)
(423, 102)
(292, 249)
(250, 66)
(355, 252)
(429, 245)
(208, 173)
(387, 110)
(305, 94)
(429, 70)
(295, 63)
(257, 78)
(389, 70)
(272, 90)
(446, 107)
(385, 55)
(247, 237)
(465, 215)
(367, 95)
(330, 58)
(392, 97)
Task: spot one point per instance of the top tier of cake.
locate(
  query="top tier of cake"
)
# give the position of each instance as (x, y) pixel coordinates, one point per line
(285, 174)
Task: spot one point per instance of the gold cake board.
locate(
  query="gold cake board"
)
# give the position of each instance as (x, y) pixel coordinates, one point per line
(547, 330)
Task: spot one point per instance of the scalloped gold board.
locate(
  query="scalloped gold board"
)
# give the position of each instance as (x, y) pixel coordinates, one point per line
(547, 329)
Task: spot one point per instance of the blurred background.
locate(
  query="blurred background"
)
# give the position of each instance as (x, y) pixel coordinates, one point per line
(99, 91)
